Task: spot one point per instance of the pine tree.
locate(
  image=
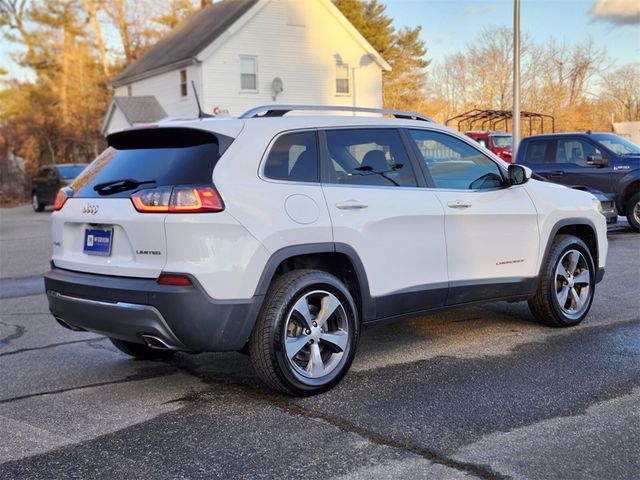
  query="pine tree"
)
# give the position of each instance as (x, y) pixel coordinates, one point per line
(403, 86)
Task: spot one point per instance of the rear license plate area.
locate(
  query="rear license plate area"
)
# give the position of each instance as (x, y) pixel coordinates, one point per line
(97, 241)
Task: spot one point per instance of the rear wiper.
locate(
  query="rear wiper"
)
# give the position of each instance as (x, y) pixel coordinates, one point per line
(115, 186)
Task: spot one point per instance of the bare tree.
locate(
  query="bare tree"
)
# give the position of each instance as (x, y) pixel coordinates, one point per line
(556, 80)
(622, 88)
(92, 11)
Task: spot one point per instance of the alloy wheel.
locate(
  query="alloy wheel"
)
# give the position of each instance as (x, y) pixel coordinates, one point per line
(316, 335)
(573, 284)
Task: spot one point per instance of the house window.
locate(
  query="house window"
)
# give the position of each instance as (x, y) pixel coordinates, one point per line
(183, 83)
(248, 74)
(342, 78)
(129, 90)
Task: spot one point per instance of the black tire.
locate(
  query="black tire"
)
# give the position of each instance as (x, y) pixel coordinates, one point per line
(280, 319)
(633, 212)
(36, 204)
(141, 351)
(545, 305)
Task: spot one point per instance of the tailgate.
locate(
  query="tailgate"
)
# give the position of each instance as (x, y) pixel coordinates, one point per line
(138, 244)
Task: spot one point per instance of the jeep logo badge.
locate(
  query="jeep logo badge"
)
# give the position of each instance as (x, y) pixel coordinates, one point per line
(92, 209)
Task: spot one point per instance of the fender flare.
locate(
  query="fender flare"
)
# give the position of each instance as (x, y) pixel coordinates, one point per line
(568, 222)
(279, 256)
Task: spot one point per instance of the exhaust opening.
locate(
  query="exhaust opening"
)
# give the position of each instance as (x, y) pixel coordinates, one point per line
(69, 326)
(155, 342)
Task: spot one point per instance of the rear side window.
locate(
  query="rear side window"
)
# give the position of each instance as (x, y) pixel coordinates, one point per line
(293, 157)
(369, 157)
(153, 157)
(538, 152)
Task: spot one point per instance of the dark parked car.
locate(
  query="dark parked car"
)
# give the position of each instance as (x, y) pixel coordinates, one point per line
(591, 161)
(49, 179)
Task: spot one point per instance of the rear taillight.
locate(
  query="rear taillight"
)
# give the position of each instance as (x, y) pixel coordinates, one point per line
(61, 198)
(174, 279)
(178, 200)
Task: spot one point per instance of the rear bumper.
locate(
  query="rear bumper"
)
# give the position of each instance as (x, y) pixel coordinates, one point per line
(132, 309)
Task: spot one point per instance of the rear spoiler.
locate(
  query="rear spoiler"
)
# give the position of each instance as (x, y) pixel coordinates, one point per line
(167, 137)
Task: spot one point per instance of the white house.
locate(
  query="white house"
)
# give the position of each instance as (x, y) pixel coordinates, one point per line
(124, 112)
(242, 53)
(628, 130)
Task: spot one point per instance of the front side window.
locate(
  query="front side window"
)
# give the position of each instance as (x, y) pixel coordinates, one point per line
(293, 157)
(342, 78)
(575, 151)
(454, 164)
(183, 83)
(369, 157)
(248, 74)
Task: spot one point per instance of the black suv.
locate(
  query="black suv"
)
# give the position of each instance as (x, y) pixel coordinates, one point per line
(598, 161)
(50, 179)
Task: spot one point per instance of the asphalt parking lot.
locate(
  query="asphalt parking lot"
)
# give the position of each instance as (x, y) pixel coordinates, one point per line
(478, 392)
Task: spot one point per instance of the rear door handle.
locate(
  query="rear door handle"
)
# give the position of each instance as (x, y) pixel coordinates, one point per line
(557, 173)
(458, 204)
(350, 205)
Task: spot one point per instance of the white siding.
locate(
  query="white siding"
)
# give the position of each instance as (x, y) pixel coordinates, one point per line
(118, 122)
(304, 57)
(166, 88)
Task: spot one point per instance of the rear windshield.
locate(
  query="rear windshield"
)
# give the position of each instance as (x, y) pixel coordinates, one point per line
(151, 158)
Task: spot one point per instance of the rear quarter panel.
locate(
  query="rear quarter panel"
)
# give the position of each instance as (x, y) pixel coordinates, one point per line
(276, 214)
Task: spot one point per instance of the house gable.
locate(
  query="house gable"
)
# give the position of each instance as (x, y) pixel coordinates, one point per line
(305, 56)
(327, 4)
(181, 46)
(195, 39)
(127, 111)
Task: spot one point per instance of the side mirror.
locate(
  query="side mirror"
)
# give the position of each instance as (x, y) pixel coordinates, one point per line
(597, 160)
(518, 174)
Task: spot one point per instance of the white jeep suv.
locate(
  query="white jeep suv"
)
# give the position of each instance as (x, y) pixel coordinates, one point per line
(281, 235)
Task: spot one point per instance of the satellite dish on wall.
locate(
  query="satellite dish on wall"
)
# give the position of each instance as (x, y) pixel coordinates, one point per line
(276, 87)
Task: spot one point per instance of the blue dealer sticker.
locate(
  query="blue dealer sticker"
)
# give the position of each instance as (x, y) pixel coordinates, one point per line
(97, 241)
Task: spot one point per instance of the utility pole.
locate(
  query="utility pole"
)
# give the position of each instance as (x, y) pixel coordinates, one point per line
(515, 114)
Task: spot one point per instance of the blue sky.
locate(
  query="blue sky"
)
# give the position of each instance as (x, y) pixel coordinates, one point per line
(449, 25)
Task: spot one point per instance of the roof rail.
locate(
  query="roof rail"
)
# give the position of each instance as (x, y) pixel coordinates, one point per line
(275, 110)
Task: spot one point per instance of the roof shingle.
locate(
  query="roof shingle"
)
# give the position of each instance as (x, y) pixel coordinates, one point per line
(142, 109)
(186, 41)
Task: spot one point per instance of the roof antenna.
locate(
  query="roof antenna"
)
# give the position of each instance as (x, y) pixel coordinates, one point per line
(201, 114)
